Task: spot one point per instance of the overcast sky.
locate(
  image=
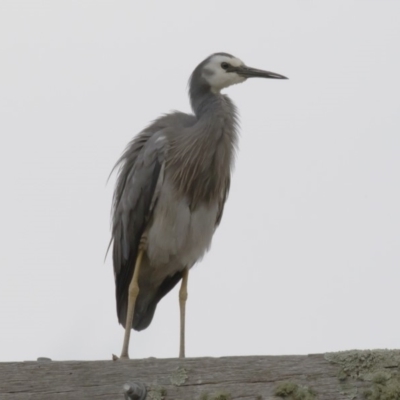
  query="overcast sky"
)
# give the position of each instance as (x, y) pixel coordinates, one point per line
(307, 257)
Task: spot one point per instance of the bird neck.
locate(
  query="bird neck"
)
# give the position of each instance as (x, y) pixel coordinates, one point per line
(201, 98)
(211, 106)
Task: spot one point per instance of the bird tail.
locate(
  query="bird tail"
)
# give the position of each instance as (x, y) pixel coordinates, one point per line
(146, 304)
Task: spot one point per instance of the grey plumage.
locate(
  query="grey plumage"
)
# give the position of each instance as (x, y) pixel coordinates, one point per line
(172, 185)
(194, 156)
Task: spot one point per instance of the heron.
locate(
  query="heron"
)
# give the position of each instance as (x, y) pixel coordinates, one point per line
(172, 184)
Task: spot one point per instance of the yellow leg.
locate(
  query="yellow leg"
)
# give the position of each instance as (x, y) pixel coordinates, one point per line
(132, 296)
(183, 295)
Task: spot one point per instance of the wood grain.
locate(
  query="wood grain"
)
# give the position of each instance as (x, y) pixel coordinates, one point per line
(333, 376)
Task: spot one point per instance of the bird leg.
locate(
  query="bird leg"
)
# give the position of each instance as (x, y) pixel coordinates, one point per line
(183, 295)
(132, 296)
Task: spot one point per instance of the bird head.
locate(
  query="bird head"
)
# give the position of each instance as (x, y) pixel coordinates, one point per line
(221, 70)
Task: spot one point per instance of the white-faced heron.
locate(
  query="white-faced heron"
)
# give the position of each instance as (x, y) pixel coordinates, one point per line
(173, 181)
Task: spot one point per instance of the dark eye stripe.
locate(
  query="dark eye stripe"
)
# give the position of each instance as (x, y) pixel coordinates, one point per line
(225, 65)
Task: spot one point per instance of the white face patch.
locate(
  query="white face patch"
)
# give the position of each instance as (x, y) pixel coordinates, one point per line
(217, 77)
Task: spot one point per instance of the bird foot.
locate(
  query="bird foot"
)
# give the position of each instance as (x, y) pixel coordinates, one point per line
(122, 357)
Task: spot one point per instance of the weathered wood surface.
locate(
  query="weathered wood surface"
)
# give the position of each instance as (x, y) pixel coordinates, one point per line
(332, 376)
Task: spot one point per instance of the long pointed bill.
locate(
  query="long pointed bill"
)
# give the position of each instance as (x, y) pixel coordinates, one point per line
(248, 72)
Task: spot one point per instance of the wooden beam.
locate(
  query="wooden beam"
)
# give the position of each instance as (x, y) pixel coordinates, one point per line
(346, 375)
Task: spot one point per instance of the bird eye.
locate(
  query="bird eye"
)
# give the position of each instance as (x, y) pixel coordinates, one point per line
(225, 65)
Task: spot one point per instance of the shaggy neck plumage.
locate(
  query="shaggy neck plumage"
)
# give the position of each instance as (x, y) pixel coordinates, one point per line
(200, 165)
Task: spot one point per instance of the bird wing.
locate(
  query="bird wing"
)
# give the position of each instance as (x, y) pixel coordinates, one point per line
(222, 200)
(136, 193)
(139, 181)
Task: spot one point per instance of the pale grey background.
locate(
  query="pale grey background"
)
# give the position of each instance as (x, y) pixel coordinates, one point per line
(307, 257)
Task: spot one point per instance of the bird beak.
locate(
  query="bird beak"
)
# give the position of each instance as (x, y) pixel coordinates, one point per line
(248, 72)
